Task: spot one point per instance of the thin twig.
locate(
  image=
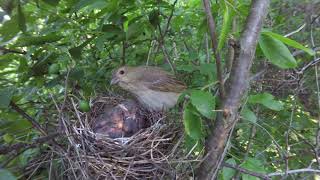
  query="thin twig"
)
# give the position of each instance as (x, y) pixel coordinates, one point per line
(169, 19)
(299, 52)
(4, 149)
(206, 41)
(246, 171)
(34, 123)
(310, 64)
(305, 170)
(295, 31)
(124, 46)
(318, 89)
(164, 50)
(214, 43)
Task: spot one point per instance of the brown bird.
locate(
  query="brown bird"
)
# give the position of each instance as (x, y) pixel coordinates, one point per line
(155, 88)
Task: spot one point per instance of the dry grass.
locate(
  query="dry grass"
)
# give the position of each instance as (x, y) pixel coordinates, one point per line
(153, 153)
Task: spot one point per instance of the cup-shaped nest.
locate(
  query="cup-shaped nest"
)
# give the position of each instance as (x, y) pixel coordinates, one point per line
(118, 139)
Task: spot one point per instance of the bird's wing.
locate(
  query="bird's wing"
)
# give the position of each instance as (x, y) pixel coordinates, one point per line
(160, 80)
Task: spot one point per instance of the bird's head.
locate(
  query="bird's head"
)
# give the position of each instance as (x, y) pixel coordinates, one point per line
(124, 77)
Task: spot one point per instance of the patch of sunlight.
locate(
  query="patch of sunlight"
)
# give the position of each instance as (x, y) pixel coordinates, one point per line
(313, 120)
(316, 177)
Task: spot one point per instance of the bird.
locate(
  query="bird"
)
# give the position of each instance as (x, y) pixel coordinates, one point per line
(123, 120)
(156, 89)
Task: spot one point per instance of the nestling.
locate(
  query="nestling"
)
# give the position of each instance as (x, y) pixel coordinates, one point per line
(155, 88)
(122, 120)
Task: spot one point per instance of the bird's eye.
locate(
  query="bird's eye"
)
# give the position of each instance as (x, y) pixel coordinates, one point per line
(121, 72)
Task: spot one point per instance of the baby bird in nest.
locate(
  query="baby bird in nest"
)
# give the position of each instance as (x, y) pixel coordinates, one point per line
(122, 120)
(154, 88)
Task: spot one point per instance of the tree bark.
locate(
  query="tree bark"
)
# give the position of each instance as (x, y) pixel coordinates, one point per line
(236, 88)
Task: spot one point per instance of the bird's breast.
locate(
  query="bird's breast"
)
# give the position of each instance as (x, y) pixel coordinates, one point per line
(157, 100)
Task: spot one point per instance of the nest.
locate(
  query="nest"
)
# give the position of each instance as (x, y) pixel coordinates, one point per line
(154, 152)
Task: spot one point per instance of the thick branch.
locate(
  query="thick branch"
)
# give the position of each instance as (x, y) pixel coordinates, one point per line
(214, 42)
(238, 84)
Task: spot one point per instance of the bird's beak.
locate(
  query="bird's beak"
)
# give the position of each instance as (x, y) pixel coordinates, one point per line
(114, 80)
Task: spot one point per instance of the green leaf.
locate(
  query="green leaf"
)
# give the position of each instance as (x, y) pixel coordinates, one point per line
(84, 3)
(267, 100)
(276, 52)
(254, 165)
(21, 18)
(111, 28)
(52, 2)
(248, 115)
(5, 97)
(154, 18)
(289, 42)
(8, 138)
(112, 32)
(76, 74)
(192, 122)
(9, 29)
(6, 175)
(134, 30)
(76, 52)
(209, 70)
(228, 173)
(191, 143)
(187, 68)
(38, 40)
(6, 60)
(204, 102)
(228, 14)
